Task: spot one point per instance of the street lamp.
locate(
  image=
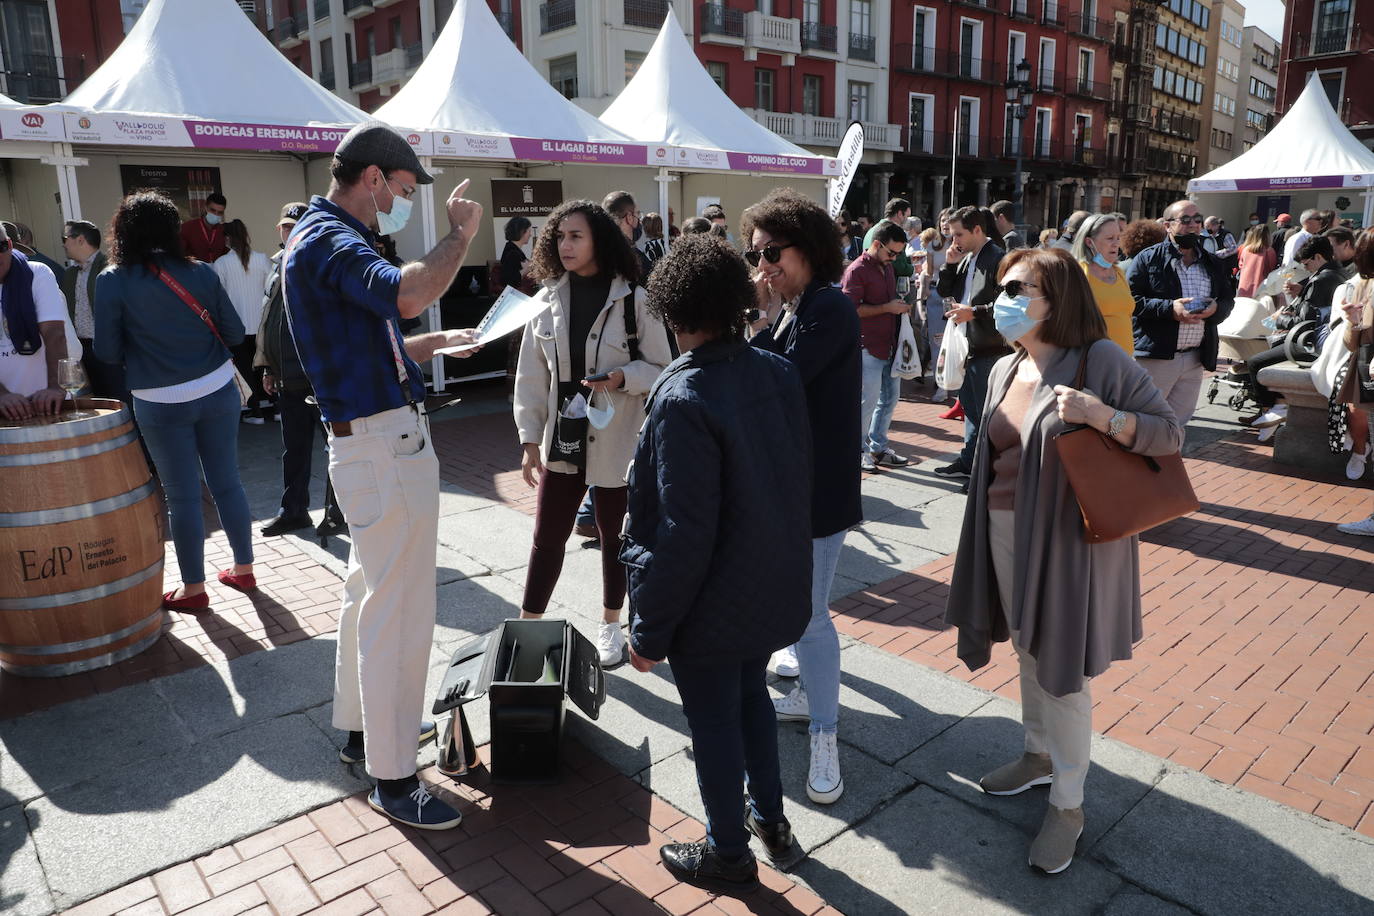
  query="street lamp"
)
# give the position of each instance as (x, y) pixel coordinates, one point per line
(1020, 97)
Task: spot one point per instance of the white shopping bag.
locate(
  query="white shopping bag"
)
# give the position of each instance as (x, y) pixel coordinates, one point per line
(906, 362)
(949, 365)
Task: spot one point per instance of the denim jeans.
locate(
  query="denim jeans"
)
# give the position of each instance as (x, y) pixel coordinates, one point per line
(586, 515)
(734, 741)
(818, 651)
(971, 397)
(184, 440)
(880, 390)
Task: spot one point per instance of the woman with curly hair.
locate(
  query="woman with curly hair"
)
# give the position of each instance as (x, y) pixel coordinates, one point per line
(586, 364)
(796, 249)
(181, 372)
(1135, 238)
(704, 493)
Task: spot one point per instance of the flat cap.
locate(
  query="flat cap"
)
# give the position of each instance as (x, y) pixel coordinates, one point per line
(378, 143)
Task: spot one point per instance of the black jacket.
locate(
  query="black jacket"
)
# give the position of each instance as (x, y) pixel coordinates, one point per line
(276, 347)
(822, 341)
(1155, 285)
(1314, 302)
(717, 544)
(983, 339)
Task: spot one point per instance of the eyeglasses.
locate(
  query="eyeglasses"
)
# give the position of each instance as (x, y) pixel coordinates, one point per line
(897, 252)
(406, 192)
(772, 253)
(1195, 220)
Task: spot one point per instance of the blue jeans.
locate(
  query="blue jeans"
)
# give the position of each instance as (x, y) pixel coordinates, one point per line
(734, 741)
(818, 651)
(185, 439)
(586, 515)
(972, 396)
(880, 391)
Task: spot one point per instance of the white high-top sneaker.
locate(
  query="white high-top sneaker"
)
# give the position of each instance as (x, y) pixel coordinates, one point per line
(793, 707)
(824, 786)
(784, 662)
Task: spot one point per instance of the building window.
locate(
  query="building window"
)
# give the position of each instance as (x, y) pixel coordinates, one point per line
(1046, 65)
(859, 95)
(633, 61)
(1011, 129)
(968, 126)
(370, 42)
(1016, 52)
(1043, 125)
(132, 9)
(921, 114)
(811, 10)
(1333, 82)
(763, 89)
(1254, 119)
(923, 33)
(1260, 90)
(811, 95)
(970, 49)
(563, 75)
(717, 70)
(861, 17)
(1333, 20)
(396, 37)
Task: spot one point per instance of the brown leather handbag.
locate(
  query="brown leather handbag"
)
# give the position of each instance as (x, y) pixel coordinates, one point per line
(1119, 492)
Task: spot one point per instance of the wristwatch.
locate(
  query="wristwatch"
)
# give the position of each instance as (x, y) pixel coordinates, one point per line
(1117, 425)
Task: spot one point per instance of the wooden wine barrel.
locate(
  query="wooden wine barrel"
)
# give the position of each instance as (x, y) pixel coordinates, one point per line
(81, 542)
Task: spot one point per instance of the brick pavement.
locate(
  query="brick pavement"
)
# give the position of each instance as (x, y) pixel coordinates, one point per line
(1257, 665)
(587, 846)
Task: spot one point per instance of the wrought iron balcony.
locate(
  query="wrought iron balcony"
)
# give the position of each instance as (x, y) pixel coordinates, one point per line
(414, 54)
(356, 8)
(1052, 18)
(327, 78)
(1327, 41)
(819, 36)
(37, 79)
(285, 32)
(646, 14)
(1088, 89)
(862, 47)
(929, 143)
(1091, 27)
(360, 73)
(557, 15)
(1048, 81)
(719, 19)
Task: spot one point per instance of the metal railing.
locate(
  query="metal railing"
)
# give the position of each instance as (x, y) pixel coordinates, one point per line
(862, 47)
(285, 30)
(1128, 111)
(922, 59)
(929, 142)
(719, 19)
(351, 5)
(1048, 81)
(556, 15)
(1327, 41)
(647, 14)
(327, 78)
(1091, 27)
(1176, 124)
(37, 79)
(1019, 9)
(414, 54)
(1089, 89)
(819, 36)
(1052, 18)
(1173, 162)
(359, 72)
(507, 20)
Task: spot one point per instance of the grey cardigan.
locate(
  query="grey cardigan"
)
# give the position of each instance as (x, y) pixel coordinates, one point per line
(1077, 605)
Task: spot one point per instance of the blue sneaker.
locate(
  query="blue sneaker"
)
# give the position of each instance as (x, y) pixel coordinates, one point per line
(416, 809)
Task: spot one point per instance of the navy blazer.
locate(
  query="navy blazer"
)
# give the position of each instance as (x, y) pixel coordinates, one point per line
(822, 340)
(1155, 286)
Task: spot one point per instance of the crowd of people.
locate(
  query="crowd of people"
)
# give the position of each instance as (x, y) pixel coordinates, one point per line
(685, 397)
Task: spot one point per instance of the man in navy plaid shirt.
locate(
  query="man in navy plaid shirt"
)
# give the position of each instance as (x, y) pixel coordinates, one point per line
(345, 303)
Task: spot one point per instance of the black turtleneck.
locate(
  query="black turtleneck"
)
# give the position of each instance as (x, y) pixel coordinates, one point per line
(587, 297)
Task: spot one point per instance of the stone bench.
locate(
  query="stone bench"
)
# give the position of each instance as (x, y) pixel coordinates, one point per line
(1301, 441)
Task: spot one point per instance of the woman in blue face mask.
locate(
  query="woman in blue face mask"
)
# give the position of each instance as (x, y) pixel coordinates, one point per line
(1024, 570)
(1097, 246)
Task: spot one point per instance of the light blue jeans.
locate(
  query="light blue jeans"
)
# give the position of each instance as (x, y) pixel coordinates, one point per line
(880, 392)
(818, 651)
(184, 440)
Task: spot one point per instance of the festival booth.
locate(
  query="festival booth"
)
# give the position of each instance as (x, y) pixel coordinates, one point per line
(159, 114)
(1308, 160)
(701, 140)
(39, 187)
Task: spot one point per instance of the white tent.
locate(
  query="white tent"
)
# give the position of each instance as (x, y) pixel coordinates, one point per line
(1309, 149)
(7, 102)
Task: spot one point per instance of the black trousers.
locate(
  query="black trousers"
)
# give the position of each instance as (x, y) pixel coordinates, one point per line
(106, 379)
(243, 361)
(1271, 357)
(299, 422)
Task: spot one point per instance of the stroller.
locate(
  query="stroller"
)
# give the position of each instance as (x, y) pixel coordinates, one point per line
(1241, 336)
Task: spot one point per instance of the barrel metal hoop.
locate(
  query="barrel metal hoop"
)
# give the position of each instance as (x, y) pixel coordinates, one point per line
(63, 669)
(76, 513)
(82, 644)
(104, 590)
(30, 459)
(26, 434)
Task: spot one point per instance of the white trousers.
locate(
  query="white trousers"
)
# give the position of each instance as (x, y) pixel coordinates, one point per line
(1179, 380)
(1059, 726)
(386, 478)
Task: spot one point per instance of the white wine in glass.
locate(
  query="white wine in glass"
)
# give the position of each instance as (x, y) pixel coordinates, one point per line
(71, 375)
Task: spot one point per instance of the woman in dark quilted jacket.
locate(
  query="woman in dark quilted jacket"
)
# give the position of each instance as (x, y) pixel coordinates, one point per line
(718, 549)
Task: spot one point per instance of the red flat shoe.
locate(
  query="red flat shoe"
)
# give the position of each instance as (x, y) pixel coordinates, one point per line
(199, 602)
(954, 413)
(244, 583)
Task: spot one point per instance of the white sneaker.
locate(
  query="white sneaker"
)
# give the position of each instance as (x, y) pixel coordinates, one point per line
(610, 645)
(1267, 433)
(823, 783)
(940, 396)
(1272, 417)
(1354, 468)
(1364, 526)
(793, 707)
(784, 662)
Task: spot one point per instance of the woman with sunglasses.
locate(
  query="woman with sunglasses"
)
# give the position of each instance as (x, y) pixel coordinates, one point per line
(1024, 570)
(579, 398)
(796, 250)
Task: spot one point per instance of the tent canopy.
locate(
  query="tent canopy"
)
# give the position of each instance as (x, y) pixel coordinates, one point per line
(7, 102)
(1309, 148)
(164, 68)
(475, 81)
(673, 100)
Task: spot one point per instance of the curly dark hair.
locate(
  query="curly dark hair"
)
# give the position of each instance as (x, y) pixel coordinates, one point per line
(145, 226)
(701, 286)
(613, 253)
(1140, 235)
(790, 216)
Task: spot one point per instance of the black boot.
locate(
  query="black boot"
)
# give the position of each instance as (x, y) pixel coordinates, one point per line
(777, 838)
(284, 523)
(699, 865)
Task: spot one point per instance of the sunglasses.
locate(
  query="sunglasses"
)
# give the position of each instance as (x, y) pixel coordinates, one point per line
(1195, 220)
(772, 253)
(1016, 288)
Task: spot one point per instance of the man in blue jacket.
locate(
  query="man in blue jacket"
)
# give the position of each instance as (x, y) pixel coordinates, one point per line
(1182, 292)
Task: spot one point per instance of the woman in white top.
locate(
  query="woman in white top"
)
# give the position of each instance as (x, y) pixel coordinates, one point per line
(243, 273)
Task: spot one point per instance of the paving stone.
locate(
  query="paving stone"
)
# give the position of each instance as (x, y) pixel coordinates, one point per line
(1131, 901)
(216, 792)
(470, 607)
(954, 761)
(928, 853)
(23, 889)
(497, 537)
(934, 525)
(870, 558)
(127, 725)
(1223, 850)
(453, 566)
(454, 499)
(890, 706)
(641, 722)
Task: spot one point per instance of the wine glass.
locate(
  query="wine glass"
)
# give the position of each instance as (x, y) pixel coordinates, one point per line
(71, 375)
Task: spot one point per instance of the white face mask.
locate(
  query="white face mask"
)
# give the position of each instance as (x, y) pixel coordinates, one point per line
(600, 417)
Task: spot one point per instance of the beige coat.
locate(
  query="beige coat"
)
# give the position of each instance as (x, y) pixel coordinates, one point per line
(609, 450)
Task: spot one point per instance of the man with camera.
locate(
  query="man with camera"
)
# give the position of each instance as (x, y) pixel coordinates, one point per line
(1182, 292)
